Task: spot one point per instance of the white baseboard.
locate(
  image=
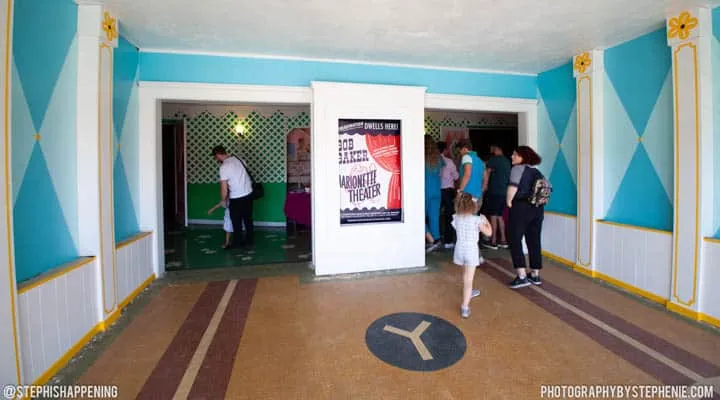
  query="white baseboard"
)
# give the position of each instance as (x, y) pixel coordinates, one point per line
(220, 222)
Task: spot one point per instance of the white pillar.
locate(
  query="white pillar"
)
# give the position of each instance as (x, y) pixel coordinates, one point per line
(10, 362)
(97, 37)
(588, 70)
(689, 35)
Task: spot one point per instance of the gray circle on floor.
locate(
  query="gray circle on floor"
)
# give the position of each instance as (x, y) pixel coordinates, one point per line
(415, 341)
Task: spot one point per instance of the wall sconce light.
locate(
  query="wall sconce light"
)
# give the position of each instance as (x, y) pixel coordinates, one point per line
(239, 129)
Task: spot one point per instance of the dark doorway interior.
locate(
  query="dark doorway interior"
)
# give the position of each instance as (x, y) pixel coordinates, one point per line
(173, 160)
(482, 138)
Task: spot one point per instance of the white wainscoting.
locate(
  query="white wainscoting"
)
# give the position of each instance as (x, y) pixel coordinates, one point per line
(709, 294)
(559, 236)
(134, 264)
(638, 257)
(57, 314)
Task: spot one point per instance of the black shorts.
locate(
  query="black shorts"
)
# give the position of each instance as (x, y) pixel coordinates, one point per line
(494, 205)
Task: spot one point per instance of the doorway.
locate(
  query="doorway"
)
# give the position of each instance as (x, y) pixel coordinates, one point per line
(173, 167)
(484, 137)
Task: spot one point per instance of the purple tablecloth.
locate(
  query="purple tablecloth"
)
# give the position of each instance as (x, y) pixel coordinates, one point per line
(297, 208)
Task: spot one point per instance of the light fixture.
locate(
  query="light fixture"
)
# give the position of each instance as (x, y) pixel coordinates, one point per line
(239, 128)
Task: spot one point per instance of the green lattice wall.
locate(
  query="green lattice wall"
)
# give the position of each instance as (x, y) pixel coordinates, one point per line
(262, 146)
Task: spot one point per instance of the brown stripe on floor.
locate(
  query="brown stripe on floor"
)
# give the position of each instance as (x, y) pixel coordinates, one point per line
(168, 372)
(214, 375)
(131, 357)
(700, 341)
(699, 365)
(631, 354)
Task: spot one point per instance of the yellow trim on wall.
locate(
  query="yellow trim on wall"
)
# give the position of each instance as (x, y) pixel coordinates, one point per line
(579, 172)
(676, 207)
(639, 228)
(670, 306)
(100, 327)
(559, 214)
(129, 241)
(712, 240)
(62, 270)
(8, 190)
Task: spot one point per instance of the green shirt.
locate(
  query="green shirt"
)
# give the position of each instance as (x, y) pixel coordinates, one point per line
(499, 175)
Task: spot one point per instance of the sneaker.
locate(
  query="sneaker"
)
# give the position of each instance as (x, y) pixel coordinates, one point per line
(535, 280)
(519, 282)
(490, 246)
(449, 245)
(465, 312)
(503, 246)
(430, 248)
(475, 293)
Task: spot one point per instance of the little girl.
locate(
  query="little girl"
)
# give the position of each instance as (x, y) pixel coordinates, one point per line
(227, 223)
(467, 252)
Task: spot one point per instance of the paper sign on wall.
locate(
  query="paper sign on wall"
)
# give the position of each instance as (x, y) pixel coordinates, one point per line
(369, 176)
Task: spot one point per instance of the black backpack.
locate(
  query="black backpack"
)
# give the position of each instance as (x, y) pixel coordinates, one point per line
(540, 191)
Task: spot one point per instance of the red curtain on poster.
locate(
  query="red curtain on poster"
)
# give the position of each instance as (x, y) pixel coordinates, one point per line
(385, 150)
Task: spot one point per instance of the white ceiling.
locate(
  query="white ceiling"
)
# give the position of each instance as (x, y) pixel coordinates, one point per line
(527, 36)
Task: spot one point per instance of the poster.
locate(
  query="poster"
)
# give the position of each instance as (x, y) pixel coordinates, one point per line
(369, 175)
(451, 135)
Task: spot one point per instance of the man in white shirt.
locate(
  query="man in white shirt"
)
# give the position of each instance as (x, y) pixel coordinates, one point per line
(448, 177)
(236, 191)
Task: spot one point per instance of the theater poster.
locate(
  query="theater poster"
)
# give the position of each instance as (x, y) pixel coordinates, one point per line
(369, 178)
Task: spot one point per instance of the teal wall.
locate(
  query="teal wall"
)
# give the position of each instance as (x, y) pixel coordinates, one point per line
(126, 163)
(716, 104)
(639, 132)
(557, 136)
(217, 69)
(43, 135)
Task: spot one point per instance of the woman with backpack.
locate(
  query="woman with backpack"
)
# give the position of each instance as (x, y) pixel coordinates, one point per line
(527, 194)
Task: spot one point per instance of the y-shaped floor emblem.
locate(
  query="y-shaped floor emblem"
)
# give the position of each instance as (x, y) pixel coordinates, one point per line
(414, 337)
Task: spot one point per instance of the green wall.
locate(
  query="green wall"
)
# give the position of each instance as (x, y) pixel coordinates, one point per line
(203, 196)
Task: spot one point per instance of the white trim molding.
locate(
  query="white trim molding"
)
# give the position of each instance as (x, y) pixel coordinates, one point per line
(689, 35)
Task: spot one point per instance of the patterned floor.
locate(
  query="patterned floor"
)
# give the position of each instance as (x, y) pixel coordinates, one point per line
(281, 338)
(200, 247)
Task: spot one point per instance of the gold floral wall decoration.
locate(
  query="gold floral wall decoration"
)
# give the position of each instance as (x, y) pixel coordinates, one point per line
(682, 25)
(582, 62)
(109, 25)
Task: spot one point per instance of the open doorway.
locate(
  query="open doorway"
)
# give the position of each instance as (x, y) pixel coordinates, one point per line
(272, 142)
(483, 129)
(173, 167)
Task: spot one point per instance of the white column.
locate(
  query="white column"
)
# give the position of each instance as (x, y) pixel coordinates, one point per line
(689, 35)
(97, 36)
(10, 362)
(588, 70)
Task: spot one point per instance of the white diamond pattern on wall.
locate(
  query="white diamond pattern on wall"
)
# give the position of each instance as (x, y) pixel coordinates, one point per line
(261, 144)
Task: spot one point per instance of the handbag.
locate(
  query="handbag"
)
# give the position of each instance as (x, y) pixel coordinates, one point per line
(258, 191)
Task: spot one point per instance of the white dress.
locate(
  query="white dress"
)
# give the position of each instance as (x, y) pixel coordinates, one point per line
(227, 224)
(467, 251)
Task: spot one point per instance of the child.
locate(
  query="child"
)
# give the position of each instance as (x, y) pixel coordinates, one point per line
(227, 224)
(467, 252)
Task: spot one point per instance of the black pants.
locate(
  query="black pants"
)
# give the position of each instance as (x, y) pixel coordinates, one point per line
(448, 205)
(525, 220)
(241, 210)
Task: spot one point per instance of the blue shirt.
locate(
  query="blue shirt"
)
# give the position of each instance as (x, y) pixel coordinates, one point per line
(474, 185)
(432, 179)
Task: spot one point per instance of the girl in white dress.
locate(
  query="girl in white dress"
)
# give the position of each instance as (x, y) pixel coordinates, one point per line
(227, 223)
(468, 225)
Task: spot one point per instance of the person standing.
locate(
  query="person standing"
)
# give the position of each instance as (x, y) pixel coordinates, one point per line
(471, 171)
(495, 183)
(448, 177)
(236, 190)
(526, 219)
(433, 166)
